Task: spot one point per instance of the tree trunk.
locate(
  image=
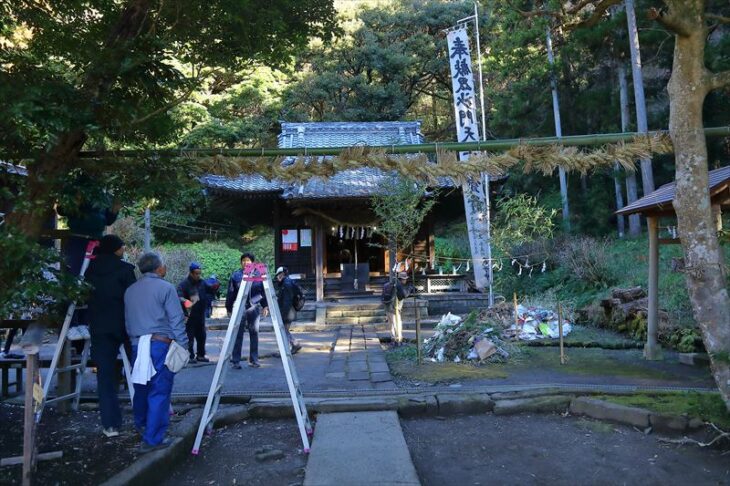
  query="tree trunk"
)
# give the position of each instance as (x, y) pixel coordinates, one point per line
(631, 189)
(558, 132)
(647, 175)
(43, 178)
(705, 276)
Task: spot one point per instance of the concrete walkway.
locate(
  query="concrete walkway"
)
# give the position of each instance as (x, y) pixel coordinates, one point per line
(360, 448)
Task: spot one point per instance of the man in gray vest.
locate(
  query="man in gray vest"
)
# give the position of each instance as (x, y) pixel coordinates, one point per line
(153, 313)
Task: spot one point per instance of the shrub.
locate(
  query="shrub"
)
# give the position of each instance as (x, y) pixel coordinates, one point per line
(177, 260)
(259, 240)
(129, 231)
(588, 260)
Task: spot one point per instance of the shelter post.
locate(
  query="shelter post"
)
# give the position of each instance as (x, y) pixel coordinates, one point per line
(319, 260)
(652, 350)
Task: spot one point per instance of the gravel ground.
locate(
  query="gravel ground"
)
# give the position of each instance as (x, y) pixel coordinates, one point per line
(252, 452)
(555, 450)
(88, 457)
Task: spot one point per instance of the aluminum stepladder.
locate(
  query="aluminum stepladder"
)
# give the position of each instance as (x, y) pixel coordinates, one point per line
(255, 272)
(79, 367)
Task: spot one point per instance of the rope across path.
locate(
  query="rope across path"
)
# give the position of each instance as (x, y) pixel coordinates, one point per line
(494, 157)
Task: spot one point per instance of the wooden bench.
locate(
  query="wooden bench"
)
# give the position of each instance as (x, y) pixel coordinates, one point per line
(17, 365)
(6, 365)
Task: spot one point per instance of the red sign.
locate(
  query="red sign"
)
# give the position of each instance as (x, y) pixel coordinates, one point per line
(289, 240)
(254, 272)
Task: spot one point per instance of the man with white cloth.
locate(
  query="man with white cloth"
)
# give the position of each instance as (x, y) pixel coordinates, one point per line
(154, 319)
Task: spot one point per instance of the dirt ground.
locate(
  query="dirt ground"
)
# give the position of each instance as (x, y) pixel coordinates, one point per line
(229, 456)
(552, 449)
(88, 457)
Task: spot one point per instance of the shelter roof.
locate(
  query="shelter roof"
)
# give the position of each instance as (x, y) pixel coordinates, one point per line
(660, 201)
(13, 168)
(362, 182)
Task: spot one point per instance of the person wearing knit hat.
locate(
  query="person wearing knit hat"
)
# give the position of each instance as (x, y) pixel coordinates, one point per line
(193, 295)
(109, 277)
(111, 245)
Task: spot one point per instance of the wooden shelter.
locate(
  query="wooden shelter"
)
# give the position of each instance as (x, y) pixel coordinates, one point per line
(658, 205)
(325, 230)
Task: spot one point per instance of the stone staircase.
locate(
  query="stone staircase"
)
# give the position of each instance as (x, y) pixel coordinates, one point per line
(370, 311)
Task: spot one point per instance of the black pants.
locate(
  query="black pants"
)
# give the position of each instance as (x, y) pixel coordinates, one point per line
(10, 337)
(250, 322)
(104, 350)
(195, 328)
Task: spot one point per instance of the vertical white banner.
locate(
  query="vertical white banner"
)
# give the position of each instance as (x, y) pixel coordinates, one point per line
(467, 130)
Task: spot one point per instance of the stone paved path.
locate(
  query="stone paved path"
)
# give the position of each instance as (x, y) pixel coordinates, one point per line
(359, 358)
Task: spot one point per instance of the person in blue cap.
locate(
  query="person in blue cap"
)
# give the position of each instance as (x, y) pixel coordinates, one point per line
(192, 294)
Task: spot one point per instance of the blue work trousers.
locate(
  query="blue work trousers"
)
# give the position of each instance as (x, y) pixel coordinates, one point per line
(250, 321)
(152, 401)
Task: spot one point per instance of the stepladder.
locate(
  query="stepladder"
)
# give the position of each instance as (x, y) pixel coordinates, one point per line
(78, 369)
(255, 272)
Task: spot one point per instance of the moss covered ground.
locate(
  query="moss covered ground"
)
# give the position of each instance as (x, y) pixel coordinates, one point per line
(597, 362)
(707, 406)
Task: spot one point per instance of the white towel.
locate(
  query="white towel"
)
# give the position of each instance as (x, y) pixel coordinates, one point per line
(144, 369)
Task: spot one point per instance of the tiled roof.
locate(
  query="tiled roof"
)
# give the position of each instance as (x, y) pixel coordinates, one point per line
(661, 199)
(362, 182)
(12, 168)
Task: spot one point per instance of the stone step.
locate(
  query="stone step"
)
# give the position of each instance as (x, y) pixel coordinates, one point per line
(376, 305)
(357, 313)
(344, 321)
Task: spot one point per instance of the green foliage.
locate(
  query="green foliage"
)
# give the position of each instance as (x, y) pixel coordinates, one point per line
(107, 74)
(393, 65)
(31, 283)
(216, 257)
(259, 240)
(400, 207)
(521, 220)
(687, 340)
(452, 241)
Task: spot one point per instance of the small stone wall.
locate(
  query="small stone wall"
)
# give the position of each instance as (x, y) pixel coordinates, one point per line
(456, 303)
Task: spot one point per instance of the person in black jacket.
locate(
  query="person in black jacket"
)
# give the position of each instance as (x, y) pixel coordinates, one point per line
(255, 306)
(109, 277)
(192, 295)
(285, 292)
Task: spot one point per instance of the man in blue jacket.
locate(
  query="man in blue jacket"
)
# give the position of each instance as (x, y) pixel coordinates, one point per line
(255, 306)
(193, 298)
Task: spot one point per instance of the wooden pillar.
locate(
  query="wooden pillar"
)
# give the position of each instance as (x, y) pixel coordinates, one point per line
(717, 216)
(319, 260)
(277, 235)
(652, 349)
(29, 445)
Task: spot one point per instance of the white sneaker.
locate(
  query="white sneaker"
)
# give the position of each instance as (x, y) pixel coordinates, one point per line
(110, 432)
(74, 334)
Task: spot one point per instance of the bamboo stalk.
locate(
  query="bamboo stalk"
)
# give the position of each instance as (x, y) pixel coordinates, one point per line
(560, 332)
